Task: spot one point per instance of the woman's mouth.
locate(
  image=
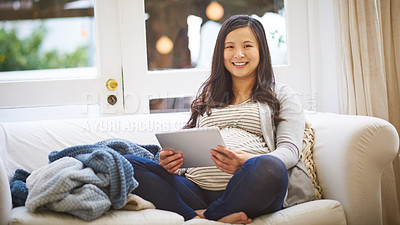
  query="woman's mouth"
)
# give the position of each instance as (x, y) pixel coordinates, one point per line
(239, 63)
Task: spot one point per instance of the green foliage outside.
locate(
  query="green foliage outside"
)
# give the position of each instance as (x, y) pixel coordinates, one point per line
(25, 54)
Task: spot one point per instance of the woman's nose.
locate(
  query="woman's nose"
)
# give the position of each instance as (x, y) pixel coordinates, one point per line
(239, 54)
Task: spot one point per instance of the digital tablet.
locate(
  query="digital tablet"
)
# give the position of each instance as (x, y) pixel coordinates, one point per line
(194, 144)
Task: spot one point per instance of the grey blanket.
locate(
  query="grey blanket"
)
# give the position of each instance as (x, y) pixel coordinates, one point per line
(102, 179)
(66, 186)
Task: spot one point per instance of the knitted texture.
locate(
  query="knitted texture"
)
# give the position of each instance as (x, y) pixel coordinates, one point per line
(19, 191)
(21, 175)
(67, 186)
(83, 180)
(308, 159)
(106, 158)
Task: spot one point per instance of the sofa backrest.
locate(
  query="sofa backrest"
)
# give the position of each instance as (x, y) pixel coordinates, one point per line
(26, 145)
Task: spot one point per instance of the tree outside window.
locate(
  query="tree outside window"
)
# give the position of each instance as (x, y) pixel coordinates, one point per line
(38, 34)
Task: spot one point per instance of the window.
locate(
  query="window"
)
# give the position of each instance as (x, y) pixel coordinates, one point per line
(39, 35)
(57, 60)
(167, 105)
(182, 33)
(124, 53)
(164, 73)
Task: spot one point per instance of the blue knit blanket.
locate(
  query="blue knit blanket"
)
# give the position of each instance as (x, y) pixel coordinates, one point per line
(106, 159)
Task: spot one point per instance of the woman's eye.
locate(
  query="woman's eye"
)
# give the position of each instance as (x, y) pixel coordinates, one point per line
(248, 46)
(229, 47)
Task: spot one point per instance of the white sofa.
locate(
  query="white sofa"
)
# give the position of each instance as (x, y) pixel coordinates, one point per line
(350, 153)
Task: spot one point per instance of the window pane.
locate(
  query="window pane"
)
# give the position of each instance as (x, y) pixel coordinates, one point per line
(40, 34)
(182, 33)
(167, 105)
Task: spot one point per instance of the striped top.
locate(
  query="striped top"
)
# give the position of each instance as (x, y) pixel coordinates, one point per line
(240, 128)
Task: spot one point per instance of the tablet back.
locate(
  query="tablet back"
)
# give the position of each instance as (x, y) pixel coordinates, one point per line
(194, 144)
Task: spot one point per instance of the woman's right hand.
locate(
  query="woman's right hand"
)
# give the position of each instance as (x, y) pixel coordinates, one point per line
(170, 160)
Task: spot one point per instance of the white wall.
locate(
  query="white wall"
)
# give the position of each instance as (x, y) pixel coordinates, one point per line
(323, 55)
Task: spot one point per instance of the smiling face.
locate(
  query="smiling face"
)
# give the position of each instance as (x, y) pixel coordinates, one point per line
(241, 53)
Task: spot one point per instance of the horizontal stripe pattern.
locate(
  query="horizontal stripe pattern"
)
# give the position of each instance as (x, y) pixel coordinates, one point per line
(240, 128)
(245, 116)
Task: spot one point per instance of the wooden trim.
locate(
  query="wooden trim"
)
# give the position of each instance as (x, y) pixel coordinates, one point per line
(27, 14)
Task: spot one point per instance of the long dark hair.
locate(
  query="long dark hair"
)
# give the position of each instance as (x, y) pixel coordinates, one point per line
(216, 91)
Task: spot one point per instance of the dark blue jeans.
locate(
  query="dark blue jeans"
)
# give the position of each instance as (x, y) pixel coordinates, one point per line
(258, 188)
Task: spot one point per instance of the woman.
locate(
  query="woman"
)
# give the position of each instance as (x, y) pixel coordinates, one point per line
(262, 124)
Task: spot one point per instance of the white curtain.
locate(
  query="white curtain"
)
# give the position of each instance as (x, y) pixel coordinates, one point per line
(368, 41)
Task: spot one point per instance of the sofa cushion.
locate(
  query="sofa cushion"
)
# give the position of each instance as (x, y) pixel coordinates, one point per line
(318, 212)
(21, 215)
(327, 212)
(308, 160)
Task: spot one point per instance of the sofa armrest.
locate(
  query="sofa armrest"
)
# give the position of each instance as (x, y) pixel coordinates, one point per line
(5, 196)
(350, 153)
(5, 193)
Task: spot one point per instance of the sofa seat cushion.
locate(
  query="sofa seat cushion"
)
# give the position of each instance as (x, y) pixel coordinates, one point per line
(327, 212)
(318, 212)
(21, 216)
(315, 212)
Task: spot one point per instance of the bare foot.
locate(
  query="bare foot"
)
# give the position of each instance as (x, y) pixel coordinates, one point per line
(200, 213)
(236, 218)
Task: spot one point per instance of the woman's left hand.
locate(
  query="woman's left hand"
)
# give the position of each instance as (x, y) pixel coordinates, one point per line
(228, 160)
